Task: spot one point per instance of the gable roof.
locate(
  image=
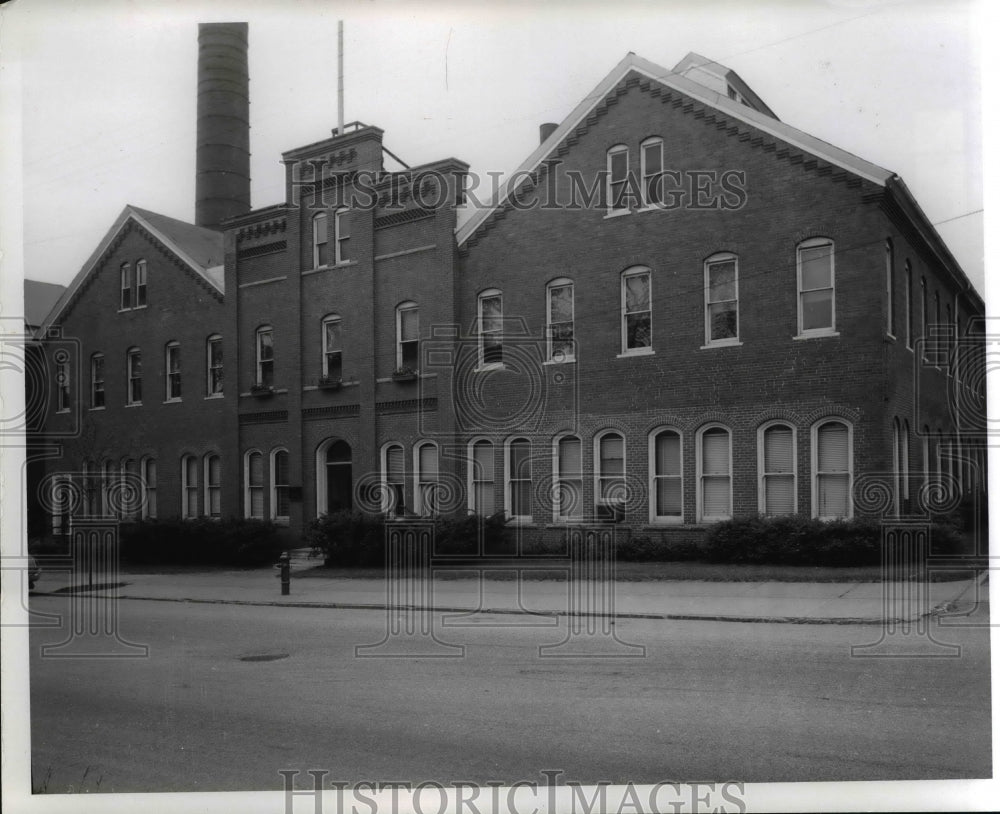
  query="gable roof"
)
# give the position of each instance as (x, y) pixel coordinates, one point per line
(39, 299)
(472, 220)
(198, 249)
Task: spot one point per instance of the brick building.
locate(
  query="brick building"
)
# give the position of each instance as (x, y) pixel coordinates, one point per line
(679, 309)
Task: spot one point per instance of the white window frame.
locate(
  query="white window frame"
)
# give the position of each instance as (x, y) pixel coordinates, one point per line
(95, 381)
(635, 271)
(140, 284)
(418, 482)
(489, 293)
(209, 488)
(148, 508)
(560, 282)
(274, 486)
(762, 473)
(248, 487)
(258, 345)
(814, 464)
(654, 518)
(700, 467)
(390, 506)
(131, 355)
(612, 182)
(125, 292)
(172, 349)
(558, 476)
(211, 365)
(599, 474)
(189, 491)
(718, 259)
(342, 224)
(319, 246)
(653, 141)
(509, 481)
(407, 306)
(471, 481)
(331, 319)
(812, 243)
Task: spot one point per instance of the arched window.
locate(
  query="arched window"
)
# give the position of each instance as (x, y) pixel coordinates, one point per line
(425, 476)
(213, 486)
(637, 311)
(189, 486)
(279, 485)
(619, 191)
(148, 510)
(490, 328)
(140, 284)
(652, 171)
(394, 480)
(213, 365)
(666, 484)
(517, 496)
(833, 463)
(265, 356)
(722, 303)
(343, 225)
(560, 321)
(333, 352)
(609, 476)
(334, 477)
(568, 468)
(253, 484)
(407, 336)
(482, 484)
(715, 482)
(817, 301)
(97, 381)
(172, 370)
(777, 493)
(319, 240)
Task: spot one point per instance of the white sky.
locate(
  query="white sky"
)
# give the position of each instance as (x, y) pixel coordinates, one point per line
(109, 92)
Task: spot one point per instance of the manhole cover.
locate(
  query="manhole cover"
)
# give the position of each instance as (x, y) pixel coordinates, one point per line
(264, 657)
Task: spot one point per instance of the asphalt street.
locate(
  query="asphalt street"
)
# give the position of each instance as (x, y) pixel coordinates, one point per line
(707, 701)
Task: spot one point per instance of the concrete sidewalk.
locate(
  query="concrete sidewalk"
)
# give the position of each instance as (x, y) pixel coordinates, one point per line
(795, 602)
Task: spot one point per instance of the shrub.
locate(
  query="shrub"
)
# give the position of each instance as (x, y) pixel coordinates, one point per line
(648, 549)
(234, 541)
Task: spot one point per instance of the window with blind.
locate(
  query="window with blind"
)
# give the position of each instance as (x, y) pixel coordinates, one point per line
(519, 479)
(394, 478)
(609, 501)
(408, 336)
(714, 478)
(569, 479)
(666, 488)
(481, 493)
(332, 348)
(637, 312)
(189, 486)
(559, 312)
(776, 464)
(253, 485)
(816, 287)
(279, 485)
(722, 310)
(832, 461)
(265, 356)
(213, 486)
(427, 480)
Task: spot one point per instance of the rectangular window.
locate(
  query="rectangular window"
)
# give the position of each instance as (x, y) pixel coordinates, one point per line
(923, 319)
(173, 368)
(715, 481)
(140, 284)
(265, 357)
(890, 289)
(213, 486)
(652, 169)
(637, 314)
(254, 485)
(777, 467)
(279, 485)
(611, 478)
(560, 322)
(408, 338)
(395, 479)
(97, 380)
(569, 491)
(319, 239)
(126, 286)
(519, 479)
(668, 505)
(833, 473)
(62, 385)
(149, 484)
(908, 304)
(947, 331)
(332, 350)
(343, 224)
(214, 384)
(816, 288)
(134, 368)
(721, 301)
(427, 480)
(482, 478)
(130, 492)
(618, 179)
(490, 329)
(189, 476)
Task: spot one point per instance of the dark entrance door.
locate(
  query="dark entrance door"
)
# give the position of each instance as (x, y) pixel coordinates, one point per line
(339, 481)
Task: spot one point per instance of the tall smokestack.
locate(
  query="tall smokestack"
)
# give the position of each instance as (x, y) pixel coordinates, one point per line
(222, 182)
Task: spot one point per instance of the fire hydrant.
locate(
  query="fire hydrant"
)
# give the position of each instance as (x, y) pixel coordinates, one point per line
(284, 573)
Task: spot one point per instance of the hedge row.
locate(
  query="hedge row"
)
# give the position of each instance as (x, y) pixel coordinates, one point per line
(233, 541)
